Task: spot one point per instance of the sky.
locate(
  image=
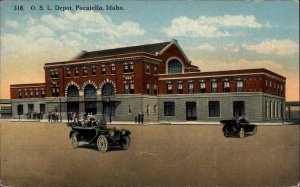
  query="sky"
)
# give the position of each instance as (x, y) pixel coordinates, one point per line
(215, 35)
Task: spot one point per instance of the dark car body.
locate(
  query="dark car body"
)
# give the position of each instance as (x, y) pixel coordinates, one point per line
(238, 127)
(97, 133)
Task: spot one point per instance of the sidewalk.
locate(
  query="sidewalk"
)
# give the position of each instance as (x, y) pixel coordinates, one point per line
(158, 123)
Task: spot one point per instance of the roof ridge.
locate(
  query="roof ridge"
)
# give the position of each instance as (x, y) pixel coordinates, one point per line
(128, 47)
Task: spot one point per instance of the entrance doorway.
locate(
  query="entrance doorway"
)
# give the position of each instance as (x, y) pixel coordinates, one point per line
(108, 110)
(191, 111)
(73, 107)
(91, 107)
(238, 108)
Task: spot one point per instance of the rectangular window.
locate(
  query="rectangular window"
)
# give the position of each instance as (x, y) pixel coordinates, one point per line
(103, 70)
(202, 87)
(238, 108)
(155, 70)
(148, 88)
(68, 72)
(25, 92)
(239, 86)
(147, 68)
(154, 89)
(30, 108)
(270, 86)
(55, 92)
(169, 108)
(126, 89)
(54, 74)
(131, 68)
(20, 93)
(179, 88)
(125, 68)
(42, 108)
(169, 88)
(214, 87)
(190, 87)
(112, 69)
(43, 93)
(129, 109)
(31, 93)
(226, 87)
(93, 70)
(214, 108)
(274, 91)
(20, 109)
(84, 71)
(131, 87)
(148, 109)
(76, 72)
(36, 93)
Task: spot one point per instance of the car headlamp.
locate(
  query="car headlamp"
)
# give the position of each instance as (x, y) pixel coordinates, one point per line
(111, 133)
(123, 132)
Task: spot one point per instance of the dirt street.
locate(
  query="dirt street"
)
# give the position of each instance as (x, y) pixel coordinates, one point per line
(41, 154)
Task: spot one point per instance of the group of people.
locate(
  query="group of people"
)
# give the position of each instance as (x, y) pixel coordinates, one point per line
(139, 118)
(34, 116)
(71, 116)
(53, 117)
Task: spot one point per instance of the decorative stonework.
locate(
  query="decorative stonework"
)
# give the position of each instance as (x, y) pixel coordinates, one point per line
(89, 82)
(71, 83)
(107, 81)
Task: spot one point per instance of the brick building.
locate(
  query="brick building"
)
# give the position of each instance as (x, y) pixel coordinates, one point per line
(156, 79)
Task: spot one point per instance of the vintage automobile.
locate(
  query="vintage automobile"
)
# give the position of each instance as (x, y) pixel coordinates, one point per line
(238, 127)
(96, 132)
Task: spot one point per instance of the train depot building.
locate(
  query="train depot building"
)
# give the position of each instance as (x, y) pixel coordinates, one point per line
(156, 79)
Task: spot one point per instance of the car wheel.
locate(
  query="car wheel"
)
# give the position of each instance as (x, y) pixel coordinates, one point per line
(242, 133)
(254, 130)
(75, 140)
(102, 143)
(125, 142)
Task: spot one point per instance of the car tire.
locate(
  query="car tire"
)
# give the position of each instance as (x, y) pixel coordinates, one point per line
(242, 133)
(125, 142)
(102, 143)
(74, 138)
(254, 130)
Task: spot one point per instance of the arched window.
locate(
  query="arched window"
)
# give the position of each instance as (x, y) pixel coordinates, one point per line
(174, 66)
(90, 91)
(108, 89)
(73, 91)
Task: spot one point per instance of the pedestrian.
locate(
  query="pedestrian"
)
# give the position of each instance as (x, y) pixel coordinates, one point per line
(139, 118)
(142, 118)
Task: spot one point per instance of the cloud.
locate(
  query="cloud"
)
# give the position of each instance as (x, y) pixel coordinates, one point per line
(12, 23)
(203, 47)
(40, 31)
(205, 26)
(89, 22)
(278, 47)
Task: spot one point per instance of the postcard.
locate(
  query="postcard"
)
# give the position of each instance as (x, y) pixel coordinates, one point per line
(149, 93)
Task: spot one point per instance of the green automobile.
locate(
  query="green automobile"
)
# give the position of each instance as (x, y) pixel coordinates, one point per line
(96, 132)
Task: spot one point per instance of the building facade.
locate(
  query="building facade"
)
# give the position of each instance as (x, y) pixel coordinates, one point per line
(156, 79)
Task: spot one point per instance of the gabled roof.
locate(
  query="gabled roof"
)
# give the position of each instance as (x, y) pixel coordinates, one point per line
(148, 48)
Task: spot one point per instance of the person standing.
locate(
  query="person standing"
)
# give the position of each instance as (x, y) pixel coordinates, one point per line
(142, 118)
(139, 118)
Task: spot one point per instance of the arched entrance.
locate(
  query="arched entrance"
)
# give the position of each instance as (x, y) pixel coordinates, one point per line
(90, 96)
(73, 99)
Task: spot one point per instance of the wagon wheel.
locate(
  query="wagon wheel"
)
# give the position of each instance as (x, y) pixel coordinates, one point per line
(102, 143)
(125, 142)
(75, 140)
(254, 130)
(242, 133)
